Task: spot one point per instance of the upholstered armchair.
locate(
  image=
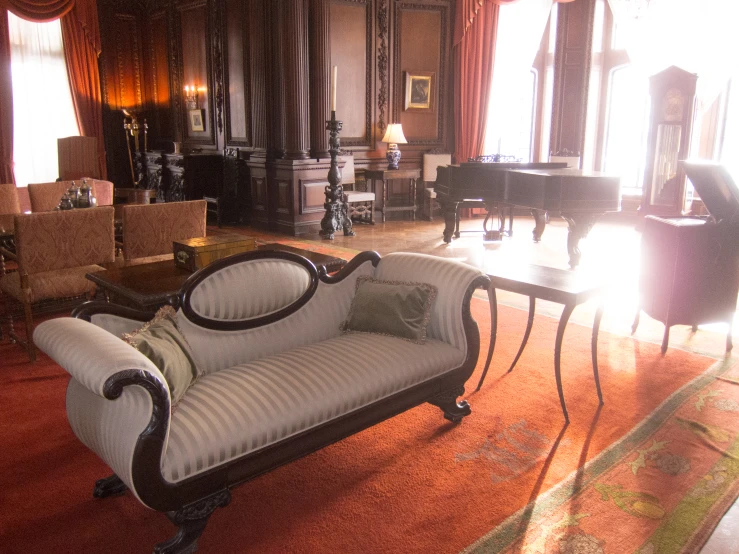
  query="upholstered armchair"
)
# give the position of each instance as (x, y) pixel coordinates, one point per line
(150, 229)
(55, 250)
(9, 206)
(45, 197)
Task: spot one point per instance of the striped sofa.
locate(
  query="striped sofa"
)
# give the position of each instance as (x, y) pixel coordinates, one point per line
(278, 377)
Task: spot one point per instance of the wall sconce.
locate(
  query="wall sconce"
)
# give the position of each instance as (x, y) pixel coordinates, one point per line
(191, 96)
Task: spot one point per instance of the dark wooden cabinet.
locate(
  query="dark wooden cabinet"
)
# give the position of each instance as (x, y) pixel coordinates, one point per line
(689, 271)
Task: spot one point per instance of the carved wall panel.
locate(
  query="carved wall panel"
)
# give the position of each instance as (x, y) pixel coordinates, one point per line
(283, 197)
(121, 81)
(157, 82)
(312, 195)
(236, 80)
(422, 45)
(196, 69)
(352, 48)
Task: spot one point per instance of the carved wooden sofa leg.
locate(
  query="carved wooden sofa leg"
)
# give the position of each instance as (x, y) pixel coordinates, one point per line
(453, 411)
(191, 521)
(108, 486)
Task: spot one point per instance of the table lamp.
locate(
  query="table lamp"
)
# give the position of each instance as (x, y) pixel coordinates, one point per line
(393, 136)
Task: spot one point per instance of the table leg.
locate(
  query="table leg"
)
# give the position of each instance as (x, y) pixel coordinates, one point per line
(493, 331)
(413, 197)
(566, 313)
(384, 199)
(594, 349)
(529, 325)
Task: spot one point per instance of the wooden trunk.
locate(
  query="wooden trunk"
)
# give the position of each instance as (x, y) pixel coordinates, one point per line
(194, 254)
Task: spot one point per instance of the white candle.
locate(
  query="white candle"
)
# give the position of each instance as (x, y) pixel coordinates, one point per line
(333, 88)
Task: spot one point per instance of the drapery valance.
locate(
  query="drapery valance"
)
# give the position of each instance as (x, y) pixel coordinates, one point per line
(467, 11)
(38, 11)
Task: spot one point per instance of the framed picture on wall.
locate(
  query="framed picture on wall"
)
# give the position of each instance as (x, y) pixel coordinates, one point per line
(197, 120)
(419, 91)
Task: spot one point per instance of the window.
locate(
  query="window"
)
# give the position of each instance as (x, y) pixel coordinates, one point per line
(42, 102)
(521, 90)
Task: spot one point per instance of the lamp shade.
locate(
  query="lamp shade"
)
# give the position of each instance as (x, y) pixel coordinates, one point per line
(394, 134)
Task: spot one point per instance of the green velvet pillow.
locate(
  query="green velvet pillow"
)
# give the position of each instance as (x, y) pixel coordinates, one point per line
(161, 341)
(394, 308)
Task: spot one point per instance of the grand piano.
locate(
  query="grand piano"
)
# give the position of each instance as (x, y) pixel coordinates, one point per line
(689, 272)
(579, 196)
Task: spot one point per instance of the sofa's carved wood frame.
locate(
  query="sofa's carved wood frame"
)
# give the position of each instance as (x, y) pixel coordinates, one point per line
(197, 492)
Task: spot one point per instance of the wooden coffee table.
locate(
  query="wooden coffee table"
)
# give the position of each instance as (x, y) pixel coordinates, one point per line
(150, 286)
(567, 287)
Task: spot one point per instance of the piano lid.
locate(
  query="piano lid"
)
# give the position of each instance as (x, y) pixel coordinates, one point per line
(716, 188)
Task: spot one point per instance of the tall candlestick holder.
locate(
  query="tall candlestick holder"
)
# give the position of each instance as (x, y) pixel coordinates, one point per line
(337, 211)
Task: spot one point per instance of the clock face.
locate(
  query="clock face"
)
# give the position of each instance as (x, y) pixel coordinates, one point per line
(673, 105)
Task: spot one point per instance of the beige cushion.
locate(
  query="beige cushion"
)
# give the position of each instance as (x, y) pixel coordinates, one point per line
(359, 196)
(395, 308)
(161, 341)
(430, 193)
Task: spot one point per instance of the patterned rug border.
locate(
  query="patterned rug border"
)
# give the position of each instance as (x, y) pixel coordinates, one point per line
(509, 530)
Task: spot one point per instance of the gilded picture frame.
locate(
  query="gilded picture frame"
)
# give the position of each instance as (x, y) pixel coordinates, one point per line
(197, 120)
(420, 91)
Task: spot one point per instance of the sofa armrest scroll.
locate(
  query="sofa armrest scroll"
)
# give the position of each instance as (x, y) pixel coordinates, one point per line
(99, 360)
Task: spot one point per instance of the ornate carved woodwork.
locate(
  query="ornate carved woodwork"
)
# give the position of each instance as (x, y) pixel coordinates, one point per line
(174, 185)
(154, 162)
(216, 25)
(382, 64)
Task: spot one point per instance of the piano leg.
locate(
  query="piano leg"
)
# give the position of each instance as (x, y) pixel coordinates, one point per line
(449, 209)
(541, 223)
(580, 225)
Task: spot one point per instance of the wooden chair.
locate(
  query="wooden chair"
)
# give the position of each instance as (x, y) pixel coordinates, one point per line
(361, 203)
(9, 206)
(55, 250)
(150, 229)
(431, 160)
(45, 197)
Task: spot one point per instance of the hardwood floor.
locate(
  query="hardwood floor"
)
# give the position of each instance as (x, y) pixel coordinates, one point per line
(611, 249)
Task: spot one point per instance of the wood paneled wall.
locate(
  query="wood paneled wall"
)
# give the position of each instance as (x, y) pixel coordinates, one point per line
(235, 52)
(263, 70)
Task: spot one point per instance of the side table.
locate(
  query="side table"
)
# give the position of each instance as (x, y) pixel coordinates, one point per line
(555, 285)
(385, 175)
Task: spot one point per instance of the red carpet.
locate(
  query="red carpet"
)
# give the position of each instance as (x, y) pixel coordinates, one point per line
(413, 484)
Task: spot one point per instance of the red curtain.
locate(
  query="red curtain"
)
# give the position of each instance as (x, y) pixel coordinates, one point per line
(6, 103)
(38, 10)
(477, 23)
(81, 37)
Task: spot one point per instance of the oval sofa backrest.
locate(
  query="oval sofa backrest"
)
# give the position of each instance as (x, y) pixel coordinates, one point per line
(255, 291)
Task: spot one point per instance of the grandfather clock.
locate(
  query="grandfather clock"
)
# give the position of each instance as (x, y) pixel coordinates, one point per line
(672, 94)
